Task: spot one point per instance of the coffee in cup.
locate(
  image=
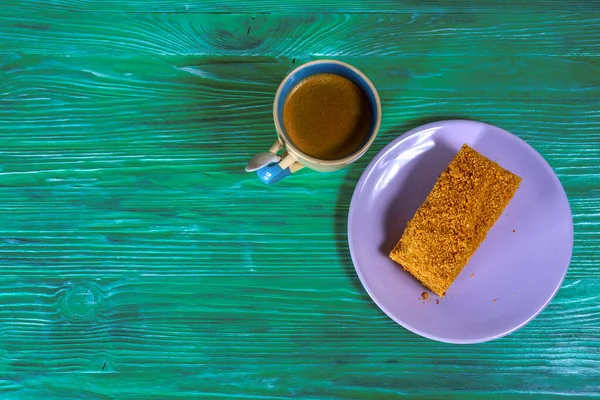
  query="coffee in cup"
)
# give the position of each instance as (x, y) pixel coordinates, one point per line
(327, 114)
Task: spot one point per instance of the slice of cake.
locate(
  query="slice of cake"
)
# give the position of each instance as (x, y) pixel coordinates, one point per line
(467, 199)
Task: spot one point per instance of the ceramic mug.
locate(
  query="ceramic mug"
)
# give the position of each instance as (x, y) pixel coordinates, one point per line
(293, 159)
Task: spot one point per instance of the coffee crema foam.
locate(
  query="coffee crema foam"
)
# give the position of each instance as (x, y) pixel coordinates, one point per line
(327, 116)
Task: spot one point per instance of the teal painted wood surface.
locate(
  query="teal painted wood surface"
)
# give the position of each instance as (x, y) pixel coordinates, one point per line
(139, 261)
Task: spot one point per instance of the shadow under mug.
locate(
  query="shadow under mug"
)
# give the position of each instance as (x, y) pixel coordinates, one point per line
(293, 159)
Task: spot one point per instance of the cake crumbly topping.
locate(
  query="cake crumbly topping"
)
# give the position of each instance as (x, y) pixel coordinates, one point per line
(467, 199)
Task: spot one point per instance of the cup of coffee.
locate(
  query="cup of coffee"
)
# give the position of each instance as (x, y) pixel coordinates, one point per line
(327, 114)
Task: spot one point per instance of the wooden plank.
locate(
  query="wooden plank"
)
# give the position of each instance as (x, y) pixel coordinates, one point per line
(307, 6)
(219, 84)
(254, 332)
(306, 35)
(187, 236)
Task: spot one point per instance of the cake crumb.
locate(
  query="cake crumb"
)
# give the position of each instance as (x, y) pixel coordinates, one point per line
(472, 275)
(424, 296)
(514, 230)
(495, 300)
(437, 301)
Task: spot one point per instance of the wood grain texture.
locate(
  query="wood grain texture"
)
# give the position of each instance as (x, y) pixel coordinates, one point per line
(308, 6)
(139, 261)
(303, 35)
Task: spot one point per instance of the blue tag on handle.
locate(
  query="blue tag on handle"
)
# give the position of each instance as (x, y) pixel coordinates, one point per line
(272, 173)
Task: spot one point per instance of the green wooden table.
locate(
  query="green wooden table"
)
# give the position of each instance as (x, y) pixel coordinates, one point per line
(139, 261)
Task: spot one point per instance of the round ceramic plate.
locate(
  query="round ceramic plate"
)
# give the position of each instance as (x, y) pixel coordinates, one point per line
(511, 277)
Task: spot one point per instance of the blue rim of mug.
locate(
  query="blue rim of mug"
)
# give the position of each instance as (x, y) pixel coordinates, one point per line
(371, 93)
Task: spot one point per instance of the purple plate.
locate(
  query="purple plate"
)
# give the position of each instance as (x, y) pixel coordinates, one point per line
(515, 272)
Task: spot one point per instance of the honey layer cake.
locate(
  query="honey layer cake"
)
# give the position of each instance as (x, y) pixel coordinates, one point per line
(466, 201)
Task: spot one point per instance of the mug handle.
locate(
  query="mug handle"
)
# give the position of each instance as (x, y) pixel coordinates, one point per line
(276, 147)
(275, 172)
